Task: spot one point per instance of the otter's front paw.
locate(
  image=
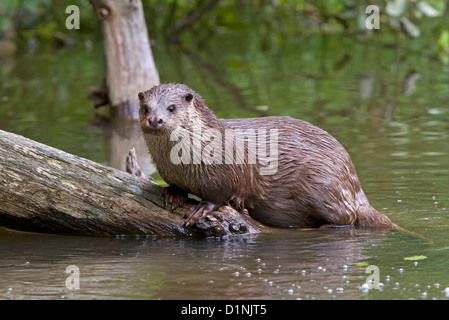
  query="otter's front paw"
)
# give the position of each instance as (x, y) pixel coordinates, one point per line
(174, 197)
(197, 211)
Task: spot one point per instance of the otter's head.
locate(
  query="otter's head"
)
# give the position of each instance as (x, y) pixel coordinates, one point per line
(165, 107)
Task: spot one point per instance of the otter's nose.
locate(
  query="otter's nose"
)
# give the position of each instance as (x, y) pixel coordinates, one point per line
(155, 121)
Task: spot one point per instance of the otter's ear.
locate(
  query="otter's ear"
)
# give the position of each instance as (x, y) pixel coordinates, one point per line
(141, 96)
(189, 97)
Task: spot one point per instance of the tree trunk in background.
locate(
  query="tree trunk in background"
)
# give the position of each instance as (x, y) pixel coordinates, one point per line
(130, 64)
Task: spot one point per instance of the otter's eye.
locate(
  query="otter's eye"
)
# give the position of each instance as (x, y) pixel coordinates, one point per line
(171, 108)
(146, 109)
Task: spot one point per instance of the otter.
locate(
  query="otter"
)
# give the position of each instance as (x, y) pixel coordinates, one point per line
(302, 176)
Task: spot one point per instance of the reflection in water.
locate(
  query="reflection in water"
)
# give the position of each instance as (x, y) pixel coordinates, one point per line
(122, 136)
(290, 264)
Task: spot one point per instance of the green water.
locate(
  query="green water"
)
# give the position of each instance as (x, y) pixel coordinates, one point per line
(384, 100)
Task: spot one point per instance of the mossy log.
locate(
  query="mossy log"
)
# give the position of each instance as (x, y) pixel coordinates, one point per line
(43, 189)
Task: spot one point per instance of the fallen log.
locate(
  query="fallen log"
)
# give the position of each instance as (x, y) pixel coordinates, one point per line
(43, 189)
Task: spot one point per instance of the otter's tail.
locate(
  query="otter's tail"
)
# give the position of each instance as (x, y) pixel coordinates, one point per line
(368, 217)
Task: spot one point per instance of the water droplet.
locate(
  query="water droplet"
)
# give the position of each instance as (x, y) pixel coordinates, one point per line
(364, 287)
(446, 292)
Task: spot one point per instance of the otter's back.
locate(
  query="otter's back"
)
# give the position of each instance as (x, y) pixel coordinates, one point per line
(315, 176)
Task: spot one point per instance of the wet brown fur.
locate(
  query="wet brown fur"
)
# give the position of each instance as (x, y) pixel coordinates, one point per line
(315, 185)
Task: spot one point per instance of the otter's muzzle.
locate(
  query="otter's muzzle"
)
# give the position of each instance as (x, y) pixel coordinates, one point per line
(155, 122)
